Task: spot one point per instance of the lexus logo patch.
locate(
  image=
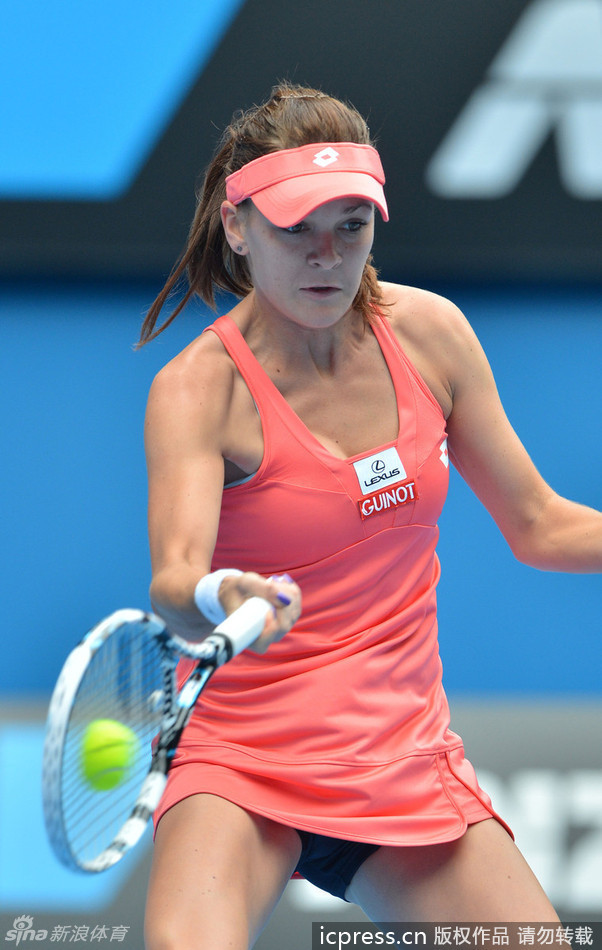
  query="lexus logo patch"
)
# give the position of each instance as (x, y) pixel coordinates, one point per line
(380, 470)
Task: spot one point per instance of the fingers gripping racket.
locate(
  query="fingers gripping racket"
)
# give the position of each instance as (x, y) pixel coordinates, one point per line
(124, 673)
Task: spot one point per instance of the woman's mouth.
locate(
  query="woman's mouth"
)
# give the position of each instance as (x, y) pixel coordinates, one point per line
(321, 292)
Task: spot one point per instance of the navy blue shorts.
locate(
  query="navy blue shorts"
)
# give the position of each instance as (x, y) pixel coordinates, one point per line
(330, 863)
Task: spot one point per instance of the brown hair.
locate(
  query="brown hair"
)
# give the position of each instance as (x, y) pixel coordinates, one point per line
(293, 116)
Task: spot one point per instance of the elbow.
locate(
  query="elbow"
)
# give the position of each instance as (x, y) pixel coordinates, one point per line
(530, 555)
(532, 546)
(537, 545)
(532, 535)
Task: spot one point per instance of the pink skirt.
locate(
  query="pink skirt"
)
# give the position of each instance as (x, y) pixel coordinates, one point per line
(425, 798)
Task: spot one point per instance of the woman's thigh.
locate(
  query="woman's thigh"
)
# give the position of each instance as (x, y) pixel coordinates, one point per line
(217, 873)
(480, 877)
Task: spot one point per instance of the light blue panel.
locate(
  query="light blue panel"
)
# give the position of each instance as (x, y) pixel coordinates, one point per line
(30, 875)
(97, 84)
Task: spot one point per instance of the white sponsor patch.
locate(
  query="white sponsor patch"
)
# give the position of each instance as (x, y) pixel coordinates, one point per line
(387, 498)
(379, 471)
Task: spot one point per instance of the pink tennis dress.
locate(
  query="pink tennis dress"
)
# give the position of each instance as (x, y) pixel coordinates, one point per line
(342, 728)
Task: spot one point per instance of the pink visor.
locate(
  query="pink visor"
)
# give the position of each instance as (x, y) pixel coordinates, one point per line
(288, 185)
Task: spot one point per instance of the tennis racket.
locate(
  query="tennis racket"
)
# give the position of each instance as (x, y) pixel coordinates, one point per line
(124, 670)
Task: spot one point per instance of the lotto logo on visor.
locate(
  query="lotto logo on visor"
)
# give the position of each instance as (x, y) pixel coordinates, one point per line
(380, 471)
(326, 157)
(287, 185)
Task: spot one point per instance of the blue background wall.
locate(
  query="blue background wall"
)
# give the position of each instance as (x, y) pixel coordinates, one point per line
(74, 496)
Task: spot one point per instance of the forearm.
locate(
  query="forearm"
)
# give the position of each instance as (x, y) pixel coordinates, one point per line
(172, 597)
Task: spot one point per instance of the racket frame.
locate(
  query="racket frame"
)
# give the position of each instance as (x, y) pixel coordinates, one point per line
(228, 639)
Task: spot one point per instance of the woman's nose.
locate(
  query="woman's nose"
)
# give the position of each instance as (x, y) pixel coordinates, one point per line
(324, 252)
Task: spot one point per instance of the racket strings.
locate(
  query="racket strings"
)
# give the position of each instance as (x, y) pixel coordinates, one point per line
(127, 681)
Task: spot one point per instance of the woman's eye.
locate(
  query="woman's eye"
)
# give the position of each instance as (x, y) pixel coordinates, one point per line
(355, 226)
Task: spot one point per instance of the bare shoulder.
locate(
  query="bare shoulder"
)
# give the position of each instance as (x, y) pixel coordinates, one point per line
(424, 317)
(200, 405)
(435, 335)
(198, 380)
(189, 403)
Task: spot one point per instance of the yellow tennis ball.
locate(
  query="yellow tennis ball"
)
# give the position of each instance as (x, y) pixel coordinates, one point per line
(108, 749)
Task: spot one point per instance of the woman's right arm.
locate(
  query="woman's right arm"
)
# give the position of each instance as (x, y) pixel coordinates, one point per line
(186, 421)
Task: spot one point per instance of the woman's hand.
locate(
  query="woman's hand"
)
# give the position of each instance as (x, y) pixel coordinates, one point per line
(279, 590)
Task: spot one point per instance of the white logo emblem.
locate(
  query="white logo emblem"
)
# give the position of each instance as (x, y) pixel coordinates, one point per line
(379, 471)
(546, 77)
(444, 453)
(326, 157)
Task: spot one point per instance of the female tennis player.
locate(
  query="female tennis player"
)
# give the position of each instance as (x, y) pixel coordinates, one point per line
(300, 445)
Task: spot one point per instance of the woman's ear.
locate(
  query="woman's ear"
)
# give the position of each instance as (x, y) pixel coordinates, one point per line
(234, 227)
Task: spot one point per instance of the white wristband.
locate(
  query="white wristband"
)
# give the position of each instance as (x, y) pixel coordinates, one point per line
(206, 594)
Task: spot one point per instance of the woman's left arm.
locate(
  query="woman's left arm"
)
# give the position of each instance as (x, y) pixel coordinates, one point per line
(542, 528)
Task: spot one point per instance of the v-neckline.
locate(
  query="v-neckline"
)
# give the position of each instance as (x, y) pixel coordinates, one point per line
(379, 334)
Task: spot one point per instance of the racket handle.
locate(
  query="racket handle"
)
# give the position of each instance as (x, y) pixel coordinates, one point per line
(245, 624)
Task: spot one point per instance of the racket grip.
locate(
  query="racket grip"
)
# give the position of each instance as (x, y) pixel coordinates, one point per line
(245, 624)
